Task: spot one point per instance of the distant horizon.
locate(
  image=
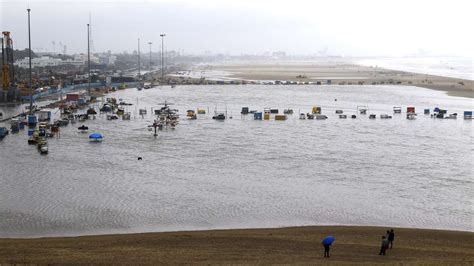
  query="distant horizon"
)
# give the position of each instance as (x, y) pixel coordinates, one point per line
(288, 56)
(336, 28)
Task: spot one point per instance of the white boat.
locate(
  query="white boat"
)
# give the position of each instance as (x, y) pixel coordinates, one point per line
(343, 116)
(321, 117)
(302, 116)
(453, 116)
(44, 149)
(397, 110)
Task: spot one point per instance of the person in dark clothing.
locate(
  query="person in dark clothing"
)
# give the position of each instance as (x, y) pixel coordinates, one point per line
(326, 250)
(384, 246)
(391, 237)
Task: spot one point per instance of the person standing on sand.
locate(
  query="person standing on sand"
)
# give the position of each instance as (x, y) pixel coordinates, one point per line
(391, 237)
(326, 250)
(327, 241)
(384, 246)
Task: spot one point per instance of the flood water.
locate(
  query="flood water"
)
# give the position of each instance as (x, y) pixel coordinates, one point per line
(242, 173)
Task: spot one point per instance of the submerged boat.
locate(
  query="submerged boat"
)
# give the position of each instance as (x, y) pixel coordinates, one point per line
(126, 116)
(83, 128)
(467, 114)
(288, 111)
(316, 110)
(201, 111)
(3, 132)
(362, 109)
(91, 111)
(191, 114)
(96, 137)
(120, 111)
(112, 117)
(219, 116)
(411, 116)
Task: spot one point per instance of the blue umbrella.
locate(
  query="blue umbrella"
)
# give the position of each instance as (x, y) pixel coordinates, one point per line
(95, 136)
(328, 240)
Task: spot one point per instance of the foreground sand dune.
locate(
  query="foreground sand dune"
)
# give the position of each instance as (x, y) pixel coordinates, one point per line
(354, 245)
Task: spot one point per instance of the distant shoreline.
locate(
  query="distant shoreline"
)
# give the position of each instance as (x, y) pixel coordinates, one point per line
(354, 244)
(345, 74)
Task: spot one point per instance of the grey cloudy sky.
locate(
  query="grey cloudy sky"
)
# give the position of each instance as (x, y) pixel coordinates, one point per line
(345, 27)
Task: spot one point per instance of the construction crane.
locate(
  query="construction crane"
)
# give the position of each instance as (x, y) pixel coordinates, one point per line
(8, 70)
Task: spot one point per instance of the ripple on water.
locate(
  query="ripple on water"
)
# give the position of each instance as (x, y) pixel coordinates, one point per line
(246, 173)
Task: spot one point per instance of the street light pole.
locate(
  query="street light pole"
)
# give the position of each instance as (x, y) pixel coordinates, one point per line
(149, 43)
(162, 57)
(29, 59)
(139, 58)
(88, 61)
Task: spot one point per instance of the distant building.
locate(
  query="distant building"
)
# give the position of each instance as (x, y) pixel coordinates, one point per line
(279, 54)
(43, 61)
(107, 59)
(47, 61)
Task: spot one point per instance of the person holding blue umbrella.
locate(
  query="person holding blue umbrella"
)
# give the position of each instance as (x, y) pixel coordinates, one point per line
(327, 241)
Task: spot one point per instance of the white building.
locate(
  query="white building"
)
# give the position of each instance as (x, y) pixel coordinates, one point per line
(46, 61)
(43, 61)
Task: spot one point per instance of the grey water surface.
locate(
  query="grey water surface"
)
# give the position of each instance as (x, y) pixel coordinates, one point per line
(242, 173)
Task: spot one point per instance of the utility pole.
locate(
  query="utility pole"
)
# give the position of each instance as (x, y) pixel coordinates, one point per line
(162, 57)
(139, 58)
(29, 59)
(149, 43)
(88, 60)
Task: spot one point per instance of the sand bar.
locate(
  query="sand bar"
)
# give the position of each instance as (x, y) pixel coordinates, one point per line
(341, 73)
(354, 245)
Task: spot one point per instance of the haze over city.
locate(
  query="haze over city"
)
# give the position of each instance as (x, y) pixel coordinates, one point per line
(340, 27)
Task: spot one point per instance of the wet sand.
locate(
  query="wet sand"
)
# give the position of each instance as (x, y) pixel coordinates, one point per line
(344, 73)
(295, 245)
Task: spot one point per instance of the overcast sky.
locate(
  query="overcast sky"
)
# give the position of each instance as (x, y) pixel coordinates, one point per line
(343, 27)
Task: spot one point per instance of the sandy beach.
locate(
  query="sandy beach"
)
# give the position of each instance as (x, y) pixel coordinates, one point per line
(294, 245)
(343, 73)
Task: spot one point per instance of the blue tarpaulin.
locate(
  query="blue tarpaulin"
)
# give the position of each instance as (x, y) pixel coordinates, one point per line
(95, 136)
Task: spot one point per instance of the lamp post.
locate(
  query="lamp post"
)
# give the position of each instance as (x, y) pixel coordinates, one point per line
(88, 61)
(149, 43)
(138, 57)
(29, 59)
(162, 57)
